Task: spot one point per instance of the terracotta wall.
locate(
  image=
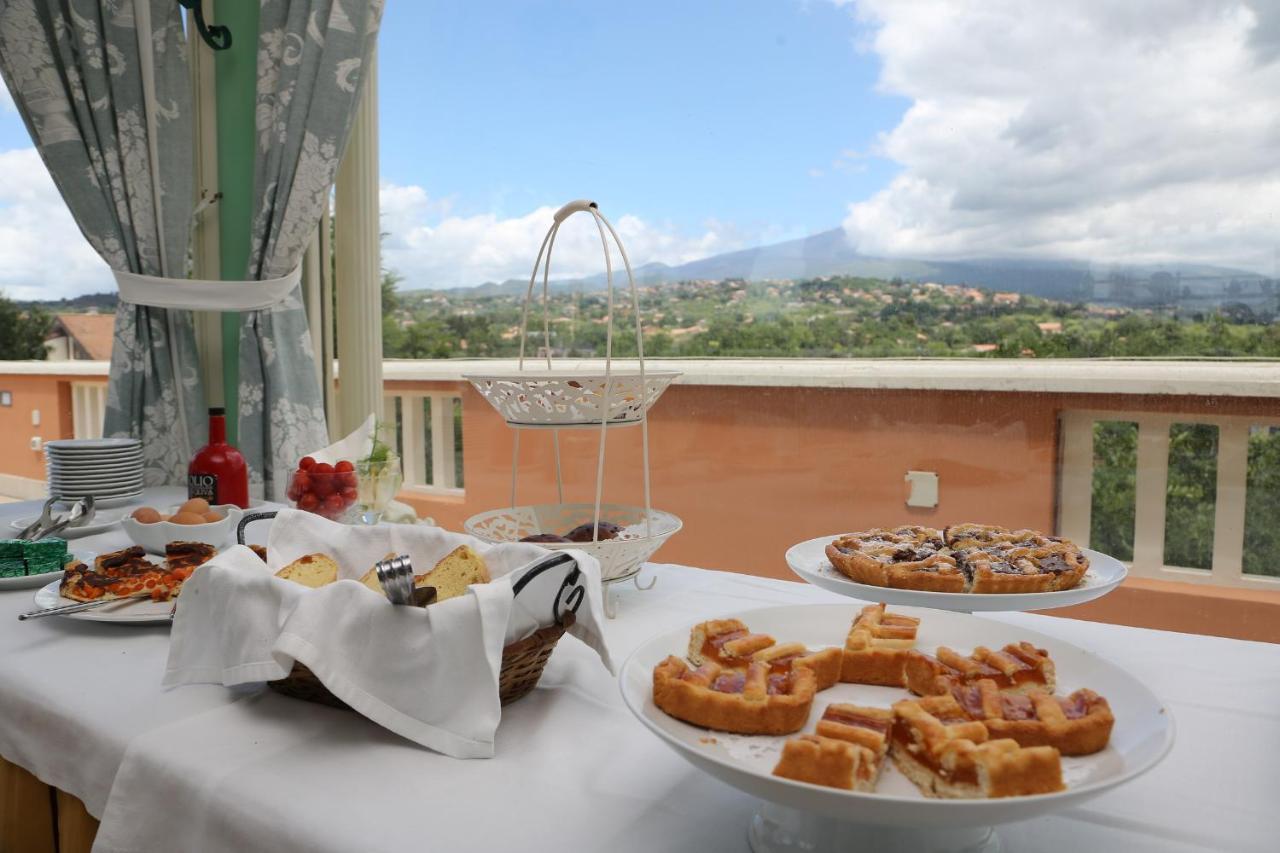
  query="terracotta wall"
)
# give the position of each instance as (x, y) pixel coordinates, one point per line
(754, 470)
(51, 397)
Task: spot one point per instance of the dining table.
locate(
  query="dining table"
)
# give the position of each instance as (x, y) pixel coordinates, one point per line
(209, 768)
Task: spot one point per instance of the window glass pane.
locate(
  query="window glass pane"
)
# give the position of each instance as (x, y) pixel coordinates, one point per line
(1115, 466)
(1262, 503)
(1192, 496)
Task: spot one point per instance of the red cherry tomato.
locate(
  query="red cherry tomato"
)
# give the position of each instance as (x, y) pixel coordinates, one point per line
(292, 492)
(349, 494)
(334, 505)
(302, 482)
(306, 463)
(322, 468)
(346, 480)
(309, 502)
(323, 486)
(344, 465)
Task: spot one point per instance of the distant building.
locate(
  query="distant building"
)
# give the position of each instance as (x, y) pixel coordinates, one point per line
(1007, 298)
(985, 347)
(81, 337)
(1050, 328)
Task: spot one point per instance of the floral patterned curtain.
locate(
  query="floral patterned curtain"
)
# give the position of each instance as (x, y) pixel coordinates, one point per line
(76, 72)
(310, 57)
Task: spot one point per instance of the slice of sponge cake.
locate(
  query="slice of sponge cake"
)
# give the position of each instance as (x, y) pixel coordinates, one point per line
(313, 570)
(452, 575)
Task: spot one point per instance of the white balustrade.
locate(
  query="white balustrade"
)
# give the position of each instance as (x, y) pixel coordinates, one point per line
(88, 408)
(420, 436)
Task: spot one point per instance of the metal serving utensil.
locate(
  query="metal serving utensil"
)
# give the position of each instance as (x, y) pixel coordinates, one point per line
(45, 520)
(80, 512)
(78, 606)
(396, 577)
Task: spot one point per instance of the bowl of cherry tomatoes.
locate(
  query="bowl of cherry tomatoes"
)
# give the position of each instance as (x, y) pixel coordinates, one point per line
(327, 490)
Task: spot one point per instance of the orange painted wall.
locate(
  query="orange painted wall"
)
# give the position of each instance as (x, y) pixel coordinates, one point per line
(752, 471)
(51, 396)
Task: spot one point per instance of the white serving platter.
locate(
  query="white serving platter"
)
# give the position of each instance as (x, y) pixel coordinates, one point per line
(29, 581)
(809, 561)
(1143, 733)
(128, 612)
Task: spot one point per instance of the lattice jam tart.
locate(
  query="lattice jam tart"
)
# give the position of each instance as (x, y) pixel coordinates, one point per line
(902, 557)
(1079, 724)
(1018, 667)
(826, 761)
(875, 652)
(999, 560)
(730, 644)
(751, 701)
(947, 755)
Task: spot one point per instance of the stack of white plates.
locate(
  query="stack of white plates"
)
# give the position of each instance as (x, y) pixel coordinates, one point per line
(109, 469)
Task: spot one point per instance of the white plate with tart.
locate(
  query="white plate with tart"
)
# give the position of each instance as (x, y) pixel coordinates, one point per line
(964, 567)
(1139, 730)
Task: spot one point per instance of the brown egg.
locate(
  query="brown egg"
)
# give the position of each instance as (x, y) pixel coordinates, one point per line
(187, 518)
(199, 506)
(212, 516)
(146, 515)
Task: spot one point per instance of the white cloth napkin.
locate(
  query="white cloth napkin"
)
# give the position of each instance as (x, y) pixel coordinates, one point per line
(357, 445)
(428, 674)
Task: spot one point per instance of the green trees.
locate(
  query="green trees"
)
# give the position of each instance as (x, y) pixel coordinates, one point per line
(22, 332)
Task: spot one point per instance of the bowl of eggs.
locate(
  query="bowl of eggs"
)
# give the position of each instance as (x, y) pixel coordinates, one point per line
(193, 521)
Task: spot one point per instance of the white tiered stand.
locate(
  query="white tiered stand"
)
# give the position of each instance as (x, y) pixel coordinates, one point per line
(544, 398)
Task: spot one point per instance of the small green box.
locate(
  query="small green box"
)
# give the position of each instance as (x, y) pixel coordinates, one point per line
(11, 568)
(11, 548)
(44, 550)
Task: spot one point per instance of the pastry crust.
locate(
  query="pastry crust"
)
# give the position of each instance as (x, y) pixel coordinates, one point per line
(866, 727)
(875, 652)
(826, 761)
(976, 558)
(946, 755)
(1078, 724)
(730, 643)
(751, 701)
(906, 557)
(121, 574)
(1018, 667)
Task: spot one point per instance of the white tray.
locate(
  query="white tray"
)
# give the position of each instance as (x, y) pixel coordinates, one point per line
(809, 561)
(566, 399)
(1142, 736)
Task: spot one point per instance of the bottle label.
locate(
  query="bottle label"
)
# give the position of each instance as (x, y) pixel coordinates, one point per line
(203, 486)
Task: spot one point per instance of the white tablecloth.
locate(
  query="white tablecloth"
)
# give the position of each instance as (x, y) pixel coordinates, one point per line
(203, 769)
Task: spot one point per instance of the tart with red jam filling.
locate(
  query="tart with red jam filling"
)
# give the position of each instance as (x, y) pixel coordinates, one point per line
(751, 701)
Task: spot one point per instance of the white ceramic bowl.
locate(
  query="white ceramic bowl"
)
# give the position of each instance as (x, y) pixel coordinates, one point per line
(155, 536)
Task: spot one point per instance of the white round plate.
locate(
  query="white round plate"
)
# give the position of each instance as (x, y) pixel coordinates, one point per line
(67, 484)
(809, 561)
(1142, 736)
(58, 466)
(102, 521)
(74, 445)
(130, 612)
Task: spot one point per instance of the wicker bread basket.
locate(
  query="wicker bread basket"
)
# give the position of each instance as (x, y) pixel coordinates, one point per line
(522, 661)
(522, 665)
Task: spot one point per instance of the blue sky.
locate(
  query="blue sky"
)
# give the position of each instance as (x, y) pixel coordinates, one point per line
(1138, 132)
(742, 111)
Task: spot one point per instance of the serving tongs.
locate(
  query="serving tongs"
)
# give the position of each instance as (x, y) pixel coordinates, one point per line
(81, 513)
(396, 576)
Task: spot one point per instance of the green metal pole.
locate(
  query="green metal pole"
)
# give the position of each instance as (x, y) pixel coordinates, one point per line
(236, 93)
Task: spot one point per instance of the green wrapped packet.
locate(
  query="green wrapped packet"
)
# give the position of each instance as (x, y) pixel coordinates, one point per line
(43, 567)
(44, 550)
(12, 567)
(11, 549)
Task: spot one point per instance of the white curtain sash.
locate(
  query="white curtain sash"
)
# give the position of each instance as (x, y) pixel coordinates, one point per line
(205, 295)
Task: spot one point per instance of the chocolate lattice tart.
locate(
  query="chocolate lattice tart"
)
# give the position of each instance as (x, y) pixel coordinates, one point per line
(976, 558)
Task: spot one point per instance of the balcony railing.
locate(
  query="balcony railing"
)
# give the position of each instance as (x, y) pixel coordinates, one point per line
(425, 429)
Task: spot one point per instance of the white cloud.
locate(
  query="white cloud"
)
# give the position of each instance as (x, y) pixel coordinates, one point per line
(43, 255)
(1147, 130)
(431, 247)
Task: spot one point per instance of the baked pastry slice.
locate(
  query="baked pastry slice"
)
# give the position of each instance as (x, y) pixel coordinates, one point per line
(121, 574)
(187, 555)
(1078, 724)
(866, 727)
(1018, 667)
(875, 652)
(907, 557)
(948, 756)
(751, 701)
(825, 761)
(731, 644)
(998, 560)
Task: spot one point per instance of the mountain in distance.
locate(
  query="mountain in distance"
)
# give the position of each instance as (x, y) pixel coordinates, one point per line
(829, 253)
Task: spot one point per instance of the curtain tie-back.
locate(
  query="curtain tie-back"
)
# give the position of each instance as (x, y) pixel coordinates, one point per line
(205, 295)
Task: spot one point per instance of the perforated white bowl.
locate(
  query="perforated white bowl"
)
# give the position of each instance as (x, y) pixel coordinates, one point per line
(569, 398)
(619, 558)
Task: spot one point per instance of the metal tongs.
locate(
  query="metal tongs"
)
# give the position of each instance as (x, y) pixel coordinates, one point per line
(46, 525)
(396, 576)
